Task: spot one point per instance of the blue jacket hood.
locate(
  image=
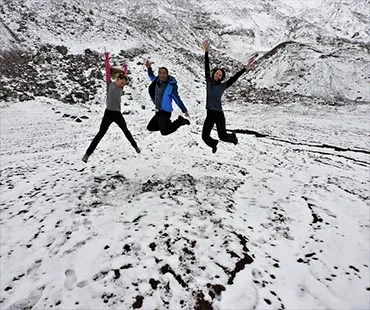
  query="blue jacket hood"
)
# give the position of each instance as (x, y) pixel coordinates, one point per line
(171, 80)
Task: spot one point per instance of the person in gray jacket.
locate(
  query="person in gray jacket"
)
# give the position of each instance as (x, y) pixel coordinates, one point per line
(113, 111)
(215, 90)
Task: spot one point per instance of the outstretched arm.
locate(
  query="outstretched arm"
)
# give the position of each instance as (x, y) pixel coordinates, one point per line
(176, 97)
(205, 46)
(107, 68)
(148, 65)
(233, 79)
(248, 67)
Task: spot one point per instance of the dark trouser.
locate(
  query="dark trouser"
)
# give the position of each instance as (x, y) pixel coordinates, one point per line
(218, 118)
(162, 121)
(108, 118)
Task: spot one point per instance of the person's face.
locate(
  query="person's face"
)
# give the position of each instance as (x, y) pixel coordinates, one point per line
(218, 76)
(121, 83)
(162, 74)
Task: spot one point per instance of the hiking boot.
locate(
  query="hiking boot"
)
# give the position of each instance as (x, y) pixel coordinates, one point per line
(137, 149)
(85, 158)
(183, 120)
(214, 148)
(234, 139)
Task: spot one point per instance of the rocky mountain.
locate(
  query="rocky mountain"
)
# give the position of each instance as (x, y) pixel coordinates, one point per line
(325, 55)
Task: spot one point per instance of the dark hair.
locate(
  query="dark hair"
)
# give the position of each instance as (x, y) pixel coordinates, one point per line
(215, 70)
(122, 76)
(164, 68)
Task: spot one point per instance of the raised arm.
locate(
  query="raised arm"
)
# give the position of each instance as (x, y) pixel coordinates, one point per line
(151, 75)
(206, 65)
(107, 68)
(205, 46)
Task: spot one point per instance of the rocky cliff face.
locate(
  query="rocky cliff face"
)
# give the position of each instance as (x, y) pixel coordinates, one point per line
(327, 57)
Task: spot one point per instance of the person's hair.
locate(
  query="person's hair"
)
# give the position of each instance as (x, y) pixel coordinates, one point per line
(164, 68)
(214, 72)
(122, 76)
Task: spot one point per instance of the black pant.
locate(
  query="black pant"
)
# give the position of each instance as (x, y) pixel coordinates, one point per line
(108, 118)
(218, 118)
(162, 121)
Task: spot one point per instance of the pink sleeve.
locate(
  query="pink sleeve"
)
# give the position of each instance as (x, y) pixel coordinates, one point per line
(107, 68)
(125, 69)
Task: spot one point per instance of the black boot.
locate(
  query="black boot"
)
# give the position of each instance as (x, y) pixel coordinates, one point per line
(183, 120)
(214, 148)
(85, 158)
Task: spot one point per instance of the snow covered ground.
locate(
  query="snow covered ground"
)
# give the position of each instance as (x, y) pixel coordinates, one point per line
(280, 221)
(276, 222)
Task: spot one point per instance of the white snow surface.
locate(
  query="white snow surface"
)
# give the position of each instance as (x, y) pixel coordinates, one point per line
(277, 224)
(279, 221)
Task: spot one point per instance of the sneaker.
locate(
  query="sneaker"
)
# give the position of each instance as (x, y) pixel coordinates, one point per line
(85, 158)
(214, 148)
(235, 139)
(183, 120)
(137, 149)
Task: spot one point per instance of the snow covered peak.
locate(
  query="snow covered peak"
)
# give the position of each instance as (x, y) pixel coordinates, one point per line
(235, 29)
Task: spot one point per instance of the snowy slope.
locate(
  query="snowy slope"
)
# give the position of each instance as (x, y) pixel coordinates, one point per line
(280, 221)
(9, 40)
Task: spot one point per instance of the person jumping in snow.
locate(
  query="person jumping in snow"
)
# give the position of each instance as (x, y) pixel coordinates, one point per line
(113, 110)
(215, 114)
(162, 91)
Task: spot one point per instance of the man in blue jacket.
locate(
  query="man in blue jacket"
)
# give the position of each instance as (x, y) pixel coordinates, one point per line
(162, 91)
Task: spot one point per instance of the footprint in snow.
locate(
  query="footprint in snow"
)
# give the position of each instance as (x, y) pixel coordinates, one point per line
(71, 279)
